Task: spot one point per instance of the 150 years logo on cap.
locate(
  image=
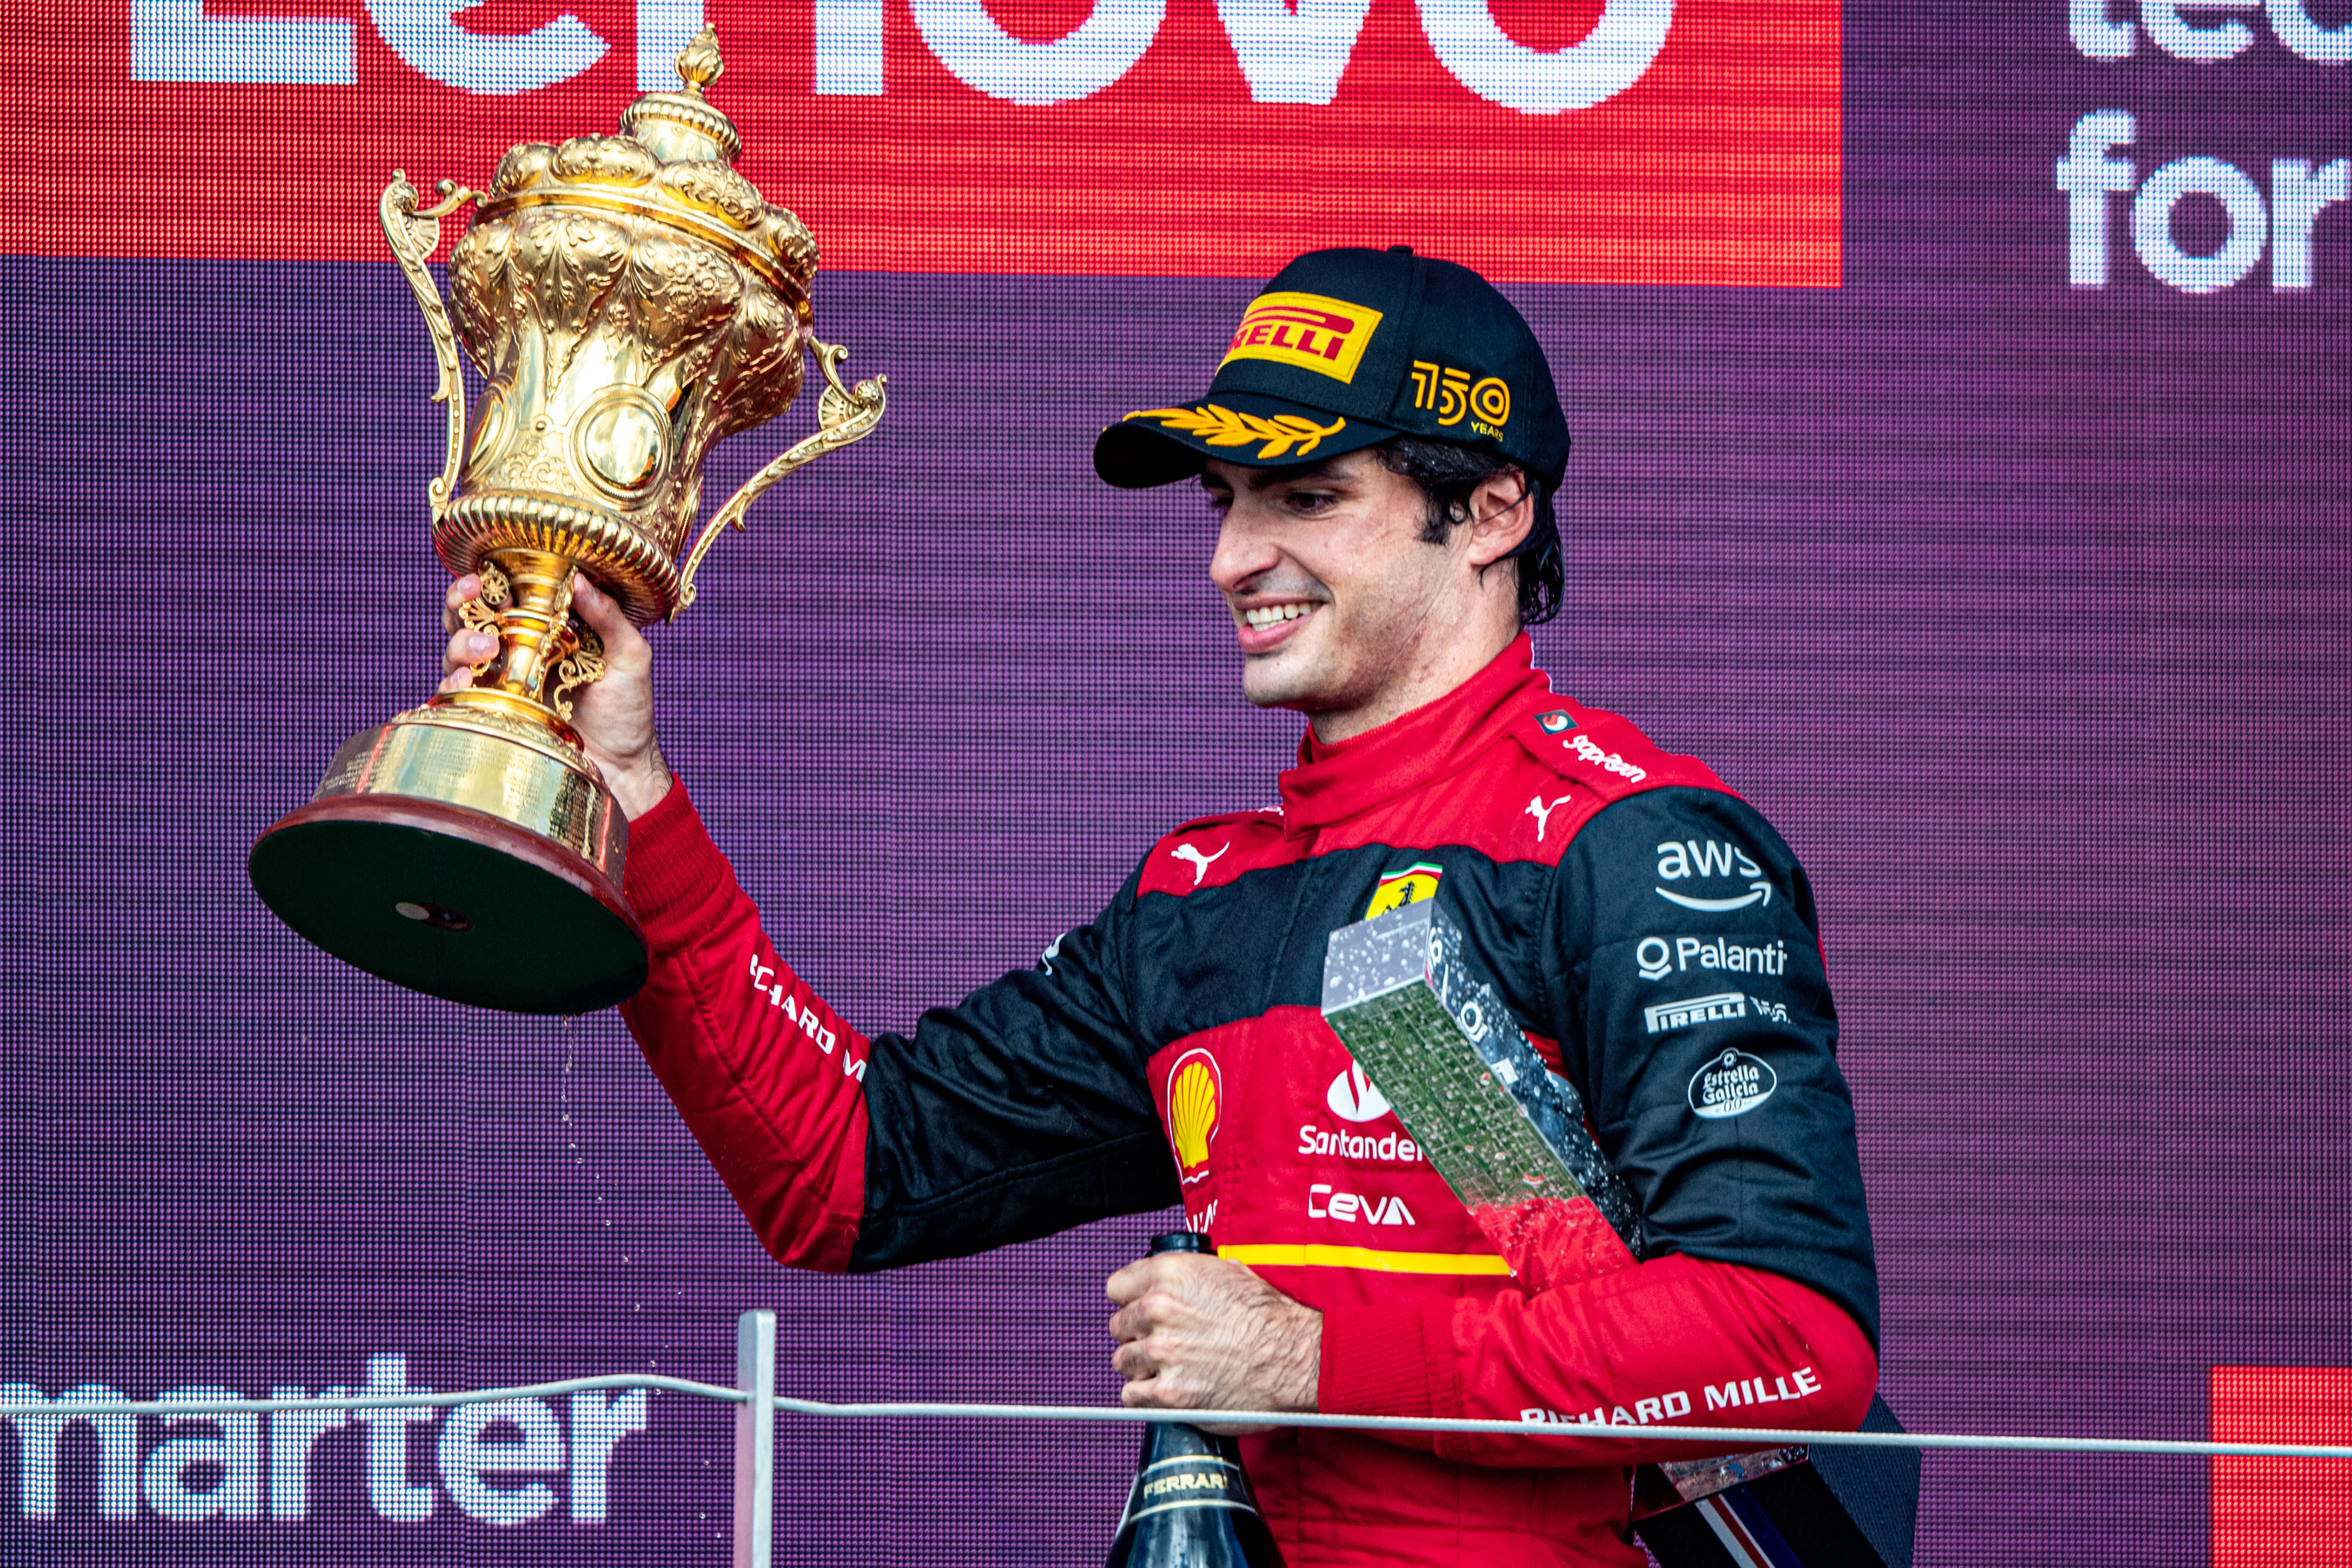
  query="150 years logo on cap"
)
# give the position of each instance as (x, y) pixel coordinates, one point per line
(1312, 331)
(1452, 393)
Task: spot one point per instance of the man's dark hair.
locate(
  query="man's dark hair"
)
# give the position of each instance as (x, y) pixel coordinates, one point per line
(1447, 474)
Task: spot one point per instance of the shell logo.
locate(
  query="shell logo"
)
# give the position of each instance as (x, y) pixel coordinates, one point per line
(1196, 1092)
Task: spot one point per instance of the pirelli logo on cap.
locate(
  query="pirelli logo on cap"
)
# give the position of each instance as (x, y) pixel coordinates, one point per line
(1312, 331)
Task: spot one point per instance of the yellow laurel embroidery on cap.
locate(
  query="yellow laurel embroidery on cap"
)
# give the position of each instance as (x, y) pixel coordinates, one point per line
(1313, 331)
(1221, 426)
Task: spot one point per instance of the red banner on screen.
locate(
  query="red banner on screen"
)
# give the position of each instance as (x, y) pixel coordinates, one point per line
(1589, 141)
(2272, 1511)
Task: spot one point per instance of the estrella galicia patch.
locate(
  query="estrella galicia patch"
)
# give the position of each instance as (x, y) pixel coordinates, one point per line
(1731, 1083)
(1555, 721)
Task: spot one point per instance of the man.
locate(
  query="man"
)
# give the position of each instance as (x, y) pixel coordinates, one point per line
(1383, 440)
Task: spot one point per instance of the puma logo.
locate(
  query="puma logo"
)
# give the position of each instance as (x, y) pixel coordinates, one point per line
(1197, 861)
(1542, 813)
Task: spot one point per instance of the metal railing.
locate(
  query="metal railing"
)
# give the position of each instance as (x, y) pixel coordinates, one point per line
(758, 1405)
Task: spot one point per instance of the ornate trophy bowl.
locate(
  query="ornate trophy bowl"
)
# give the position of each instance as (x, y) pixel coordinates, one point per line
(631, 300)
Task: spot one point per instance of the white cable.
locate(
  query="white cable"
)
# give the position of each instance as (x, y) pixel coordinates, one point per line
(1728, 1436)
(412, 1399)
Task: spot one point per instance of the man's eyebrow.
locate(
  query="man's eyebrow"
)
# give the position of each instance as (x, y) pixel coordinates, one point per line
(1266, 478)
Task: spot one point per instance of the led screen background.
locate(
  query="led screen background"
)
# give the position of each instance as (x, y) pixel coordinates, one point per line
(2017, 603)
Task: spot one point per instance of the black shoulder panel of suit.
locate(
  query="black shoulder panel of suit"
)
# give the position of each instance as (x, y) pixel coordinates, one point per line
(1234, 952)
(1021, 1112)
(1697, 1017)
(1672, 953)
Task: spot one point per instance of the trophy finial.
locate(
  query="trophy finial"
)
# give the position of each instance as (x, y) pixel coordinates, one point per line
(682, 125)
(698, 64)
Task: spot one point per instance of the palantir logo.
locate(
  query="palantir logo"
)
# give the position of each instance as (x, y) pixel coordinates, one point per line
(1353, 1098)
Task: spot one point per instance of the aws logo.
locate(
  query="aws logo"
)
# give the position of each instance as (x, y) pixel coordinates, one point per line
(1196, 1100)
(1399, 888)
(1708, 858)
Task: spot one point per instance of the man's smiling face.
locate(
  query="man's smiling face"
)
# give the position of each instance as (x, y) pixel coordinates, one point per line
(1335, 596)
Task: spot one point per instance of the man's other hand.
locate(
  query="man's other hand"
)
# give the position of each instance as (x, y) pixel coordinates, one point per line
(614, 715)
(1197, 1333)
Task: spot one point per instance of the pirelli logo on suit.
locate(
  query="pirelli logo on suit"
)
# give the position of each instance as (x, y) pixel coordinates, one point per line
(1665, 1018)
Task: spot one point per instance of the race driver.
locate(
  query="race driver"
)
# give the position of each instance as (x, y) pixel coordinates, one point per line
(1383, 442)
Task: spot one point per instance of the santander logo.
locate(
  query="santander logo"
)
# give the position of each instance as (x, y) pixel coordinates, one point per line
(1352, 1097)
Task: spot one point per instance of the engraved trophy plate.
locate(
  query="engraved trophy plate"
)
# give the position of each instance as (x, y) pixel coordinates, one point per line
(631, 301)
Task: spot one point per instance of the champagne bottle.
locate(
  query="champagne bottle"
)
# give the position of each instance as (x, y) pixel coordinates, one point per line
(1191, 1506)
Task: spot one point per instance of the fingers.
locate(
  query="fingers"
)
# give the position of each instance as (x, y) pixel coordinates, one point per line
(466, 587)
(1135, 1326)
(1141, 1315)
(1161, 1272)
(463, 651)
(1130, 1282)
(1149, 1384)
(603, 613)
(605, 617)
(1133, 1361)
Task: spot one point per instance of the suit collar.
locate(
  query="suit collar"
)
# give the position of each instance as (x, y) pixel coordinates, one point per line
(1413, 751)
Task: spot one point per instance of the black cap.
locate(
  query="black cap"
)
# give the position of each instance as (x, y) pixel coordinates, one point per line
(1344, 350)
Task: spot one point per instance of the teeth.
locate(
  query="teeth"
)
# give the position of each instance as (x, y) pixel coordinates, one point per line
(1274, 615)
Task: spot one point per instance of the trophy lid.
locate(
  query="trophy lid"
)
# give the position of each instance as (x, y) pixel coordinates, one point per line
(672, 162)
(681, 125)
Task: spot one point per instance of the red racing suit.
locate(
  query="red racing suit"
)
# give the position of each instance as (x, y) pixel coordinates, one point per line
(1653, 937)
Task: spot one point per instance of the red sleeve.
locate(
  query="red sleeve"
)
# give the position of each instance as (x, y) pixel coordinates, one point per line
(1679, 1341)
(769, 1078)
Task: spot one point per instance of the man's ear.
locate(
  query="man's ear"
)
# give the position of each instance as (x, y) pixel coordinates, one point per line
(1502, 511)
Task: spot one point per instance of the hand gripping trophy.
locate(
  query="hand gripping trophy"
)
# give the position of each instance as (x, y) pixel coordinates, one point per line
(632, 301)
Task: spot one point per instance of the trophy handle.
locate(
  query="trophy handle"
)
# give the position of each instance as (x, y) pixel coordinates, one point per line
(413, 234)
(843, 414)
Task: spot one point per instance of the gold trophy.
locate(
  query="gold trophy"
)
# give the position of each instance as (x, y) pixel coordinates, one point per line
(632, 301)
